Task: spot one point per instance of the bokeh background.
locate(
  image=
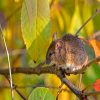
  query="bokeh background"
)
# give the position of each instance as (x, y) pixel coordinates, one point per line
(66, 17)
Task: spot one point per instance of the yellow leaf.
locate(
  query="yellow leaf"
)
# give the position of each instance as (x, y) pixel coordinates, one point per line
(86, 14)
(60, 20)
(76, 21)
(35, 23)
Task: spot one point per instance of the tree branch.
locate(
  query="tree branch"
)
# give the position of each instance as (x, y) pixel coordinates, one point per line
(70, 85)
(28, 70)
(51, 70)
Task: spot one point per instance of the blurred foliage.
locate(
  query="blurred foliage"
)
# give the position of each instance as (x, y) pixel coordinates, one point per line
(42, 94)
(66, 16)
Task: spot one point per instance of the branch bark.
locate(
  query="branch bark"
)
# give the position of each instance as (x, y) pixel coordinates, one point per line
(40, 69)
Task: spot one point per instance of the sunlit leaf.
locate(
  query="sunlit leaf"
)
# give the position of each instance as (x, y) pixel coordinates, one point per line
(66, 18)
(86, 14)
(35, 24)
(96, 85)
(60, 20)
(56, 17)
(76, 22)
(41, 93)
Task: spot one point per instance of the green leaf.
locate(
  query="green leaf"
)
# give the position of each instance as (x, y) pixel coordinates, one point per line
(91, 74)
(41, 93)
(35, 23)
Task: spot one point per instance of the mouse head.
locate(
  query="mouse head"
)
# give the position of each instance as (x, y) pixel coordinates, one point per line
(53, 50)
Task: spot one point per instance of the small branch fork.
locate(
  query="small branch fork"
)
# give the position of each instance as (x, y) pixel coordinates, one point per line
(52, 70)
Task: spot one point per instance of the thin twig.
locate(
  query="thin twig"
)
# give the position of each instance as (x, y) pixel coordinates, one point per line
(59, 91)
(21, 95)
(97, 59)
(92, 93)
(97, 11)
(9, 65)
(15, 87)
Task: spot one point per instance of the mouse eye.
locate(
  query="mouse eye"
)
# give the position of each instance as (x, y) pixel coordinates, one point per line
(50, 53)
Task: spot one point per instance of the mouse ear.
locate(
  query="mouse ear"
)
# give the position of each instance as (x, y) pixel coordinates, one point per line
(55, 36)
(58, 45)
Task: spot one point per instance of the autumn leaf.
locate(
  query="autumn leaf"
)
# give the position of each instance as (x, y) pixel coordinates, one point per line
(95, 42)
(96, 85)
(35, 24)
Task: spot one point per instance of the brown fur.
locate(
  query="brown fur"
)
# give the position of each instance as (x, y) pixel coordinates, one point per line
(68, 51)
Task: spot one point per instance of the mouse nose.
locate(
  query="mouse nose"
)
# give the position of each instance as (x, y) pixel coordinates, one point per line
(47, 61)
